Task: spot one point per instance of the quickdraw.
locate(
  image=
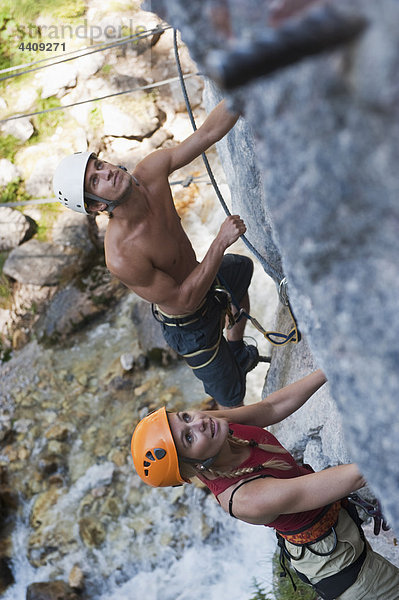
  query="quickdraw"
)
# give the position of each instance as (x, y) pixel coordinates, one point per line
(276, 338)
(372, 510)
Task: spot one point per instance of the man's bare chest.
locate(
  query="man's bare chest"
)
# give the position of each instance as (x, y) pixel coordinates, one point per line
(168, 246)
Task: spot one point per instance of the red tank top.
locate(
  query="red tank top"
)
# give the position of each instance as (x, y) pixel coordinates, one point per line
(283, 523)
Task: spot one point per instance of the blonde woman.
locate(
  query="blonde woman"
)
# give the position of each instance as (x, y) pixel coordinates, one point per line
(256, 480)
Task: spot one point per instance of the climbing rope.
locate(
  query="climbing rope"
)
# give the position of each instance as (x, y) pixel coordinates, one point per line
(266, 265)
(274, 337)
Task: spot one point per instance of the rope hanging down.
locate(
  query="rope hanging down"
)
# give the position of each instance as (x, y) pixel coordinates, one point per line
(274, 337)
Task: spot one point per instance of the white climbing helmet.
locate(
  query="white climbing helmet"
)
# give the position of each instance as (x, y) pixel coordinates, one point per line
(68, 181)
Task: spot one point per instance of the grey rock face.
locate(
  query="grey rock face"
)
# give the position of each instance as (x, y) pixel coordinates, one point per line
(326, 134)
(78, 303)
(39, 263)
(238, 155)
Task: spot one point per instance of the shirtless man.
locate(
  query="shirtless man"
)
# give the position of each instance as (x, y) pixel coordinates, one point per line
(148, 250)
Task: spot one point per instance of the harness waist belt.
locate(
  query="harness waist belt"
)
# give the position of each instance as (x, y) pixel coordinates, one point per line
(317, 529)
(180, 320)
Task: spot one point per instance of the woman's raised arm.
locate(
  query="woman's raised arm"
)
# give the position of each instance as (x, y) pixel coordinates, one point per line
(277, 406)
(262, 500)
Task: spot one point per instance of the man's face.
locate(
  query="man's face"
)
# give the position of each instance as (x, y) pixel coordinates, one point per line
(107, 181)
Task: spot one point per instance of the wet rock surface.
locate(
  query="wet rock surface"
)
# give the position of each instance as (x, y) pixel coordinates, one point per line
(54, 590)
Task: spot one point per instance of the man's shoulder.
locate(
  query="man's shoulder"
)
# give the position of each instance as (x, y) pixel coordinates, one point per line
(158, 160)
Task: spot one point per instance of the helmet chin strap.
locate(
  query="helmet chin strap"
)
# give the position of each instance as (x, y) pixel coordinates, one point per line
(131, 174)
(110, 205)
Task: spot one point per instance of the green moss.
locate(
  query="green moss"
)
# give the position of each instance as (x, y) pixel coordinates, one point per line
(5, 286)
(46, 123)
(29, 10)
(48, 215)
(14, 192)
(9, 146)
(18, 23)
(282, 586)
(96, 118)
(5, 353)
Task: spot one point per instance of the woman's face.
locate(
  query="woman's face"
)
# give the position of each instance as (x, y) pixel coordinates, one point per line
(197, 435)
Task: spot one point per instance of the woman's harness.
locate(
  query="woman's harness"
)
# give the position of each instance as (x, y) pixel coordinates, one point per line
(321, 527)
(333, 586)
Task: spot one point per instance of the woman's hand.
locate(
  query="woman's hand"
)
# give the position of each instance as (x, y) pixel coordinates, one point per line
(277, 406)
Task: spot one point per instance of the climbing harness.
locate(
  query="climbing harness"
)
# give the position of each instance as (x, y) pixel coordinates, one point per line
(324, 525)
(274, 337)
(219, 294)
(331, 587)
(183, 321)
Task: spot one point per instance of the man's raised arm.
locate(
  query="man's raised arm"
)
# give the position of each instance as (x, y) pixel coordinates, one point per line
(216, 125)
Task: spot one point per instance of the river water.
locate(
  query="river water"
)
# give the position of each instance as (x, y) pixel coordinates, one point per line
(129, 540)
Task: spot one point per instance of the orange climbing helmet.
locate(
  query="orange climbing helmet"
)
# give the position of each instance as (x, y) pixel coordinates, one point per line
(154, 451)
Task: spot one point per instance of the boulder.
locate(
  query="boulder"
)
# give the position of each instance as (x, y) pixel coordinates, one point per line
(91, 532)
(74, 230)
(138, 121)
(6, 576)
(57, 79)
(40, 263)
(15, 228)
(51, 590)
(22, 129)
(39, 162)
(148, 329)
(50, 263)
(78, 303)
(8, 172)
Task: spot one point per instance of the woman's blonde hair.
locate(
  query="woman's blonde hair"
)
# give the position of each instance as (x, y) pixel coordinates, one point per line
(188, 470)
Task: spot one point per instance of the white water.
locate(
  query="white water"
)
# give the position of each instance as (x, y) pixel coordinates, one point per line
(204, 571)
(208, 572)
